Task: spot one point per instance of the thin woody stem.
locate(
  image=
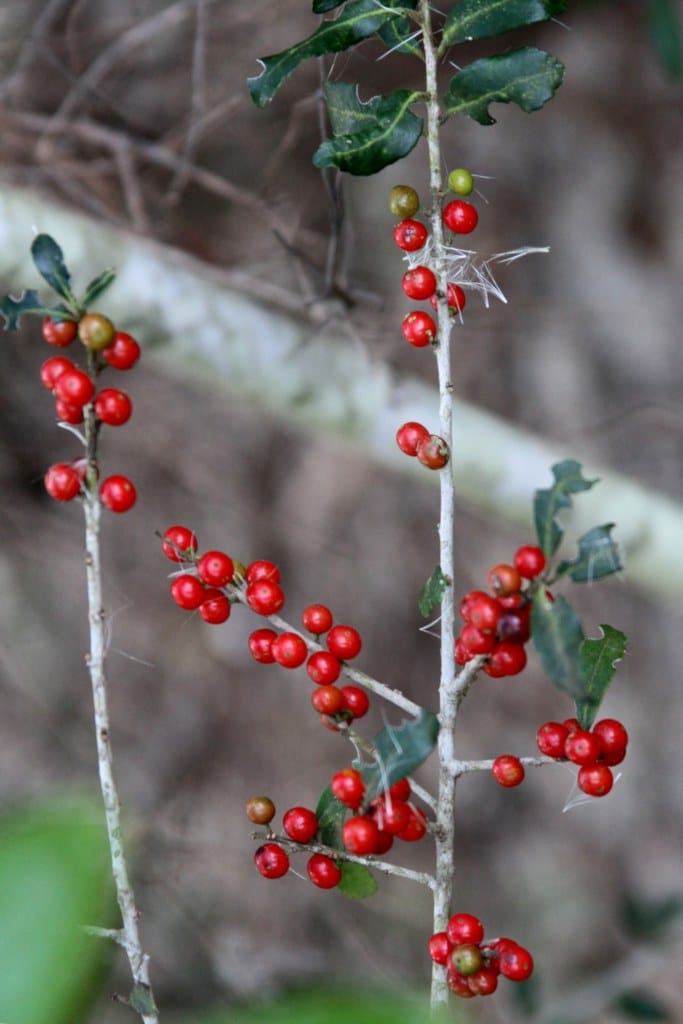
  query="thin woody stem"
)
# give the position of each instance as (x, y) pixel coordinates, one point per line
(386, 867)
(128, 936)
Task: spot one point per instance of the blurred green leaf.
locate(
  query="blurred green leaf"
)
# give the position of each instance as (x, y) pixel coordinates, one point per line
(569, 479)
(642, 1005)
(331, 814)
(49, 261)
(97, 286)
(598, 556)
(597, 665)
(479, 19)
(357, 881)
(323, 6)
(666, 31)
(13, 309)
(557, 636)
(54, 879)
(432, 592)
(527, 77)
(389, 131)
(399, 751)
(648, 919)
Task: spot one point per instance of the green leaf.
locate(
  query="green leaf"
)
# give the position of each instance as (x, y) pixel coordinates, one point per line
(396, 34)
(432, 593)
(648, 920)
(330, 813)
(357, 881)
(97, 286)
(323, 6)
(54, 879)
(557, 635)
(666, 31)
(391, 131)
(141, 1000)
(479, 19)
(356, 22)
(49, 261)
(527, 77)
(12, 309)
(598, 556)
(569, 480)
(597, 665)
(642, 1005)
(399, 751)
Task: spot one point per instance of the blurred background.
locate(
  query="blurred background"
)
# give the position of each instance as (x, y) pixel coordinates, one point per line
(136, 113)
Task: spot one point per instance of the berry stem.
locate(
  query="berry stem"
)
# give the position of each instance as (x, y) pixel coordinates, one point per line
(386, 867)
(128, 937)
(444, 832)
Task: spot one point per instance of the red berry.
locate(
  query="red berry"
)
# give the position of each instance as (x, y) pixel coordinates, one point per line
(474, 641)
(529, 561)
(571, 724)
(215, 608)
(300, 824)
(409, 436)
(465, 928)
(188, 592)
(432, 452)
(458, 984)
(410, 235)
(582, 747)
(482, 612)
(355, 701)
(507, 659)
(348, 787)
(260, 809)
(323, 871)
(271, 860)
(504, 579)
(613, 738)
(344, 641)
(123, 352)
(67, 413)
(460, 217)
(360, 834)
(179, 544)
(215, 568)
(323, 668)
(551, 738)
(52, 369)
(59, 333)
(439, 948)
(455, 297)
(117, 493)
(515, 962)
(484, 982)
(74, 386)
(385, 841)
(400, 790)
(317, 619)
(416, 827)
(515, 624)
(113, 407)
(418, 328)
(595, 779)
(261, 645)
(289, 650)
(418, 283)
(265, 597)
(327, 700)
(508, 770)
(392, 816)
(262, 570)
(462, 654)
(62, 482)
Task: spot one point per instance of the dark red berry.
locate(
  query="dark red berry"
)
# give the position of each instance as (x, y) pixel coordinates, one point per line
(327, 700)
(59, 333)
(613, 738)
(416, 827)
(68, 413)
(515, 962)
(455, 297)
(504, 579)
(432, 452)
(481, 611)
(271, 860)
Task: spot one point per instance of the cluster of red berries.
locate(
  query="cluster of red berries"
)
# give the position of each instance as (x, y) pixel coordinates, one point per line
(387, 817)
(300, 825)
(596, 751)
(473, 965)
(204, 590)
(74, 391)
(498, 624)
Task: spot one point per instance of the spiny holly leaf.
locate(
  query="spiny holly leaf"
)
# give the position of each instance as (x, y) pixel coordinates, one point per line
(12, 309)
(527, 77)
(357, 882)
(396, 34)
(323, 6)
(399, 751)
(394, 132)
(642, 1005)
(557, 635)
(569, 479)
(97, 286)
(597, 665)
(356, 22)
(330, 813)
(432, 592)
(347, 113)
(479, 19)
(49, 261)
(598, 556)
